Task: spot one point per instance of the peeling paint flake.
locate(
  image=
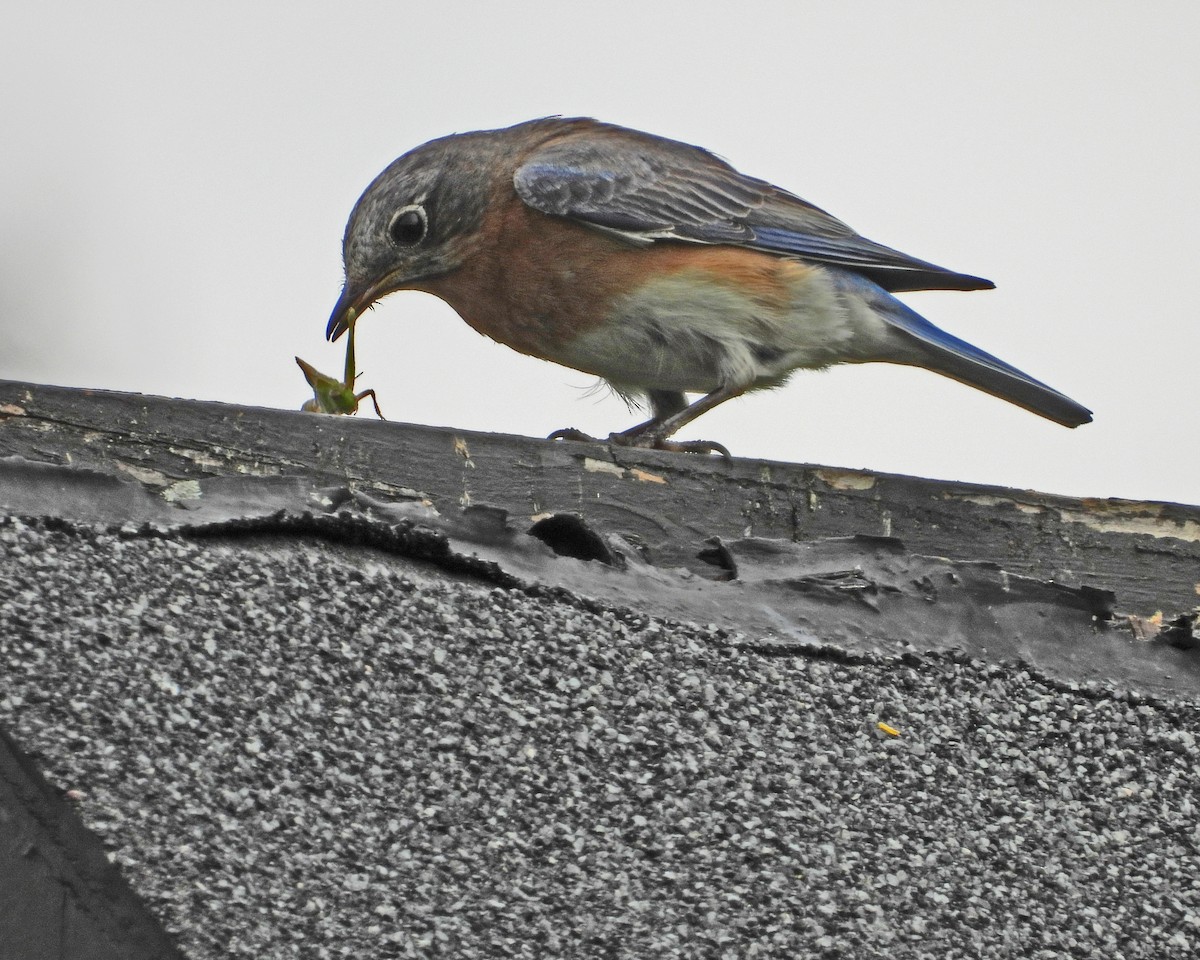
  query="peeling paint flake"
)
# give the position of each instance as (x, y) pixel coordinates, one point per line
(200, 457)
(630, 473)
(152, 478)
(602, 466)
(1103, 516)
(1152, 526)
(218, 460)
(257, 469)
(181, 491)
(986, 500)
(461, 448)
(1132, 516)
(625, 473)
(646, 477)
(846, 479)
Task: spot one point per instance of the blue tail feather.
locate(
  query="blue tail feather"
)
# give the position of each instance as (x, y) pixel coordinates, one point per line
(946, 354)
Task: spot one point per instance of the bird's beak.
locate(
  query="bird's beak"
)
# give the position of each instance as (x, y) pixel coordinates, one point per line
(349, 306)
(355, 301)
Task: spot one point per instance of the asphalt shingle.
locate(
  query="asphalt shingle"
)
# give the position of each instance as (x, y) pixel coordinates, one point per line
(297, 749)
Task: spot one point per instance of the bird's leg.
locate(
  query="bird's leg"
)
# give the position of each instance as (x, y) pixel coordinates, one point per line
(654, 433)
(663, 404)
(671, 412)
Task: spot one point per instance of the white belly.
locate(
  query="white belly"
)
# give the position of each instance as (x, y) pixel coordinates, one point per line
(689, 332)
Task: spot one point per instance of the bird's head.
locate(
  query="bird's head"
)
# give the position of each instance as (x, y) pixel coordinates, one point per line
(414, 222)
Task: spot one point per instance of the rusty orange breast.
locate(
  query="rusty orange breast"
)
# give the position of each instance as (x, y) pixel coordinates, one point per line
(536, 282)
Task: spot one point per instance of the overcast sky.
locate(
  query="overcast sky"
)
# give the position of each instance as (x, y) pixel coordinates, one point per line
(175, 179)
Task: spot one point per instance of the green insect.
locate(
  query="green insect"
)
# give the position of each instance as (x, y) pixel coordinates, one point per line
(331, 395)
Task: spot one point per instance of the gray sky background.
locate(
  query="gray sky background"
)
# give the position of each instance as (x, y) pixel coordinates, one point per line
(175, 179)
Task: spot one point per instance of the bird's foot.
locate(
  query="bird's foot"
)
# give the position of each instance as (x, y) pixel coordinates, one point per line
(644, 439)
(570, 433)
(648, 441)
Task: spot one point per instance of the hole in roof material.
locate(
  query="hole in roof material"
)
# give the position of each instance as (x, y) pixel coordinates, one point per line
(717, 553)
(568, 536)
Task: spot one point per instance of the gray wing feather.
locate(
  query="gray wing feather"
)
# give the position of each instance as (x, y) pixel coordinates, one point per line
(649, 188)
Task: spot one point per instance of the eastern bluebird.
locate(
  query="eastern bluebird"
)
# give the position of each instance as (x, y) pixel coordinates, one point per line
(653, 265)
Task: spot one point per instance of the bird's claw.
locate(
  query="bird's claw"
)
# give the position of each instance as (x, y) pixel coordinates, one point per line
(570, 433)
(647, 441)
(644, 440)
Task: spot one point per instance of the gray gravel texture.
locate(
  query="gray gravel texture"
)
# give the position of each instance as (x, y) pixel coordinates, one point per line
(302, 750)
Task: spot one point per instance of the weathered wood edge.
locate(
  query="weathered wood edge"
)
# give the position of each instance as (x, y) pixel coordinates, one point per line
(1147, 552)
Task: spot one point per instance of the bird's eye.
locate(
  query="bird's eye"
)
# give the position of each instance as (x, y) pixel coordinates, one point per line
(408, 226)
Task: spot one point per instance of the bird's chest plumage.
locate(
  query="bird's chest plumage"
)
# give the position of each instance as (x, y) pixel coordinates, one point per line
(670, 316)
(536, 282)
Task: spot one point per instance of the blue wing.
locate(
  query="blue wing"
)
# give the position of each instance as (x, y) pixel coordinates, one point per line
(649, 188)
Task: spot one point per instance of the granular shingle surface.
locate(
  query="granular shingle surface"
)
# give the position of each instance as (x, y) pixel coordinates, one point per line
(300, 750)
